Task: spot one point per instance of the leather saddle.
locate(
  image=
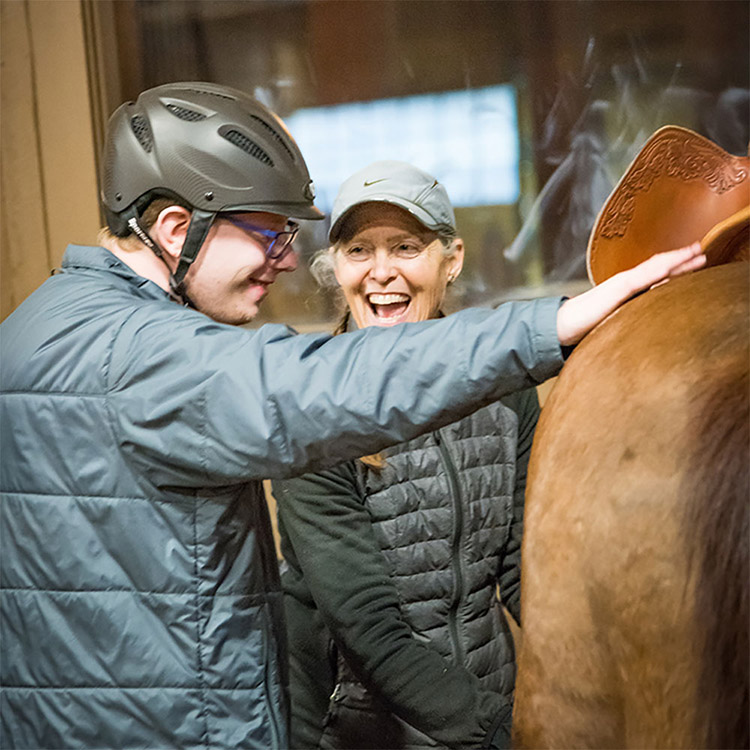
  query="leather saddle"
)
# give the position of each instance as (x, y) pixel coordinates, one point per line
(680, 188)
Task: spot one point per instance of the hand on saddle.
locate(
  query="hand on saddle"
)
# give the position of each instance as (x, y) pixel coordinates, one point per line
(578, 315)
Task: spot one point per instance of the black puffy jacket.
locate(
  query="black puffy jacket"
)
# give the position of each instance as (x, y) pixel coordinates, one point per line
(391, 585)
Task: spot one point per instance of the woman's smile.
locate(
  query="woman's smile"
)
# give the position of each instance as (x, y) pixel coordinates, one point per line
(391, 268)
(390, 307)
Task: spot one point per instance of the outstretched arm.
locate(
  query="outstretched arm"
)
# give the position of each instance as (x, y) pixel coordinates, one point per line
(578, 315)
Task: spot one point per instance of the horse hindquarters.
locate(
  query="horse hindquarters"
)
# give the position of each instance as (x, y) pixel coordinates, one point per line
(612, 645)
(600, 571)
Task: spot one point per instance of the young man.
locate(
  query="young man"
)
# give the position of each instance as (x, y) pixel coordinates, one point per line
(140, 594)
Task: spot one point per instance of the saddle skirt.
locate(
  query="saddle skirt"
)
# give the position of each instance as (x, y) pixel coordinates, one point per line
(680, 188)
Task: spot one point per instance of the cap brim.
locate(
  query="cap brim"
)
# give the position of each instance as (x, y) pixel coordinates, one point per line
(416, 211)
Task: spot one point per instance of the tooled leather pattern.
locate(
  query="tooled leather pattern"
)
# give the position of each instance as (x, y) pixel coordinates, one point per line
(679, 155)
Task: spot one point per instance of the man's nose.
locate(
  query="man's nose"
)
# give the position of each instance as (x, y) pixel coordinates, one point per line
(287, 262)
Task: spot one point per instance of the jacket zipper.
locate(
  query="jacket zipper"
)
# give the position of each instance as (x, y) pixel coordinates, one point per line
(458, 526)
(274, 723)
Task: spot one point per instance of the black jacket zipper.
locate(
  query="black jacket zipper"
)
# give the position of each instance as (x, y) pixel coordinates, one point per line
(458, 528)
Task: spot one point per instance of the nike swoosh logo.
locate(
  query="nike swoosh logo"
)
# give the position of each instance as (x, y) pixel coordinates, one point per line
(367, 183)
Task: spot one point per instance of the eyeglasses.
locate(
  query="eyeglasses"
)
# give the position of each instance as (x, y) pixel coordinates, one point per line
(275, 244)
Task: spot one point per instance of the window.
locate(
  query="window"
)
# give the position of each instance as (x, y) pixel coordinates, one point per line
(468, 139)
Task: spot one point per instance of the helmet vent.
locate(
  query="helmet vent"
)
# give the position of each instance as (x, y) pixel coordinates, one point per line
(206, 92)
(142, 132)
(274, 135)
(251, 147)
(185, 114)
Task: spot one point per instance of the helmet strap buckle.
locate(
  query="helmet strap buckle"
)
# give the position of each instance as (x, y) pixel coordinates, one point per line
(132, 219)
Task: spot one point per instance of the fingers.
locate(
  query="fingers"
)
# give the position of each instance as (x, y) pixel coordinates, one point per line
(580, 314)
(692, 264)
(663, 266)
(677, 262)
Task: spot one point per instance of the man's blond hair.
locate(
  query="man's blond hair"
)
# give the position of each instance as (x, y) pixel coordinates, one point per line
(130, 241)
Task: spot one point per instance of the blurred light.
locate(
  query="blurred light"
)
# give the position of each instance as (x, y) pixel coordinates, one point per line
(467, 139)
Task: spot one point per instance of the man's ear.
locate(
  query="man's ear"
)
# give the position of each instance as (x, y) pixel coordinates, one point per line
(170, 229)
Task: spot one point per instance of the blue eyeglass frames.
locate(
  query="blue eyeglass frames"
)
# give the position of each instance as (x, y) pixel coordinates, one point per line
(276, 244)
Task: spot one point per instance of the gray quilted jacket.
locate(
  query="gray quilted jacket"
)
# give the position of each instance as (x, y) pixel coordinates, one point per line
(445, 516)
(140, 604)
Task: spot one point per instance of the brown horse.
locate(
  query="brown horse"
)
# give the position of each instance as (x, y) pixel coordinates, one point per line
(635, 556)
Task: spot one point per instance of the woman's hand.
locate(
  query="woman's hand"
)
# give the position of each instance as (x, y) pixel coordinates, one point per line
(578, 315)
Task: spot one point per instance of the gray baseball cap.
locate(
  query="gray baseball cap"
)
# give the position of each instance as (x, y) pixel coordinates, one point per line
(399, 183)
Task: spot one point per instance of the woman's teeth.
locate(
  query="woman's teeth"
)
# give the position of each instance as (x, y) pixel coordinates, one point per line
(387, 299)
(389, 305)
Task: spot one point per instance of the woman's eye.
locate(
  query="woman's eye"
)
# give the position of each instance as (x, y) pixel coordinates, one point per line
(356, 251)
(408, 250)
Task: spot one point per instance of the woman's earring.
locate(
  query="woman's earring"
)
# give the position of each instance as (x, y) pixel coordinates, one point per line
(451, 278)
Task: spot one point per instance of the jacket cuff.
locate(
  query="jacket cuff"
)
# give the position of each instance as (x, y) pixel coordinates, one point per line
(498, 735)
(546, 343)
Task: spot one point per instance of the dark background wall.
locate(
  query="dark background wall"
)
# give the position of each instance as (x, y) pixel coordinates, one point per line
(593, 79)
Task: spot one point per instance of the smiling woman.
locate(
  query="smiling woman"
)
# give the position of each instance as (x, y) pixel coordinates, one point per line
(391, 268)
(434, 523)
(394, 246)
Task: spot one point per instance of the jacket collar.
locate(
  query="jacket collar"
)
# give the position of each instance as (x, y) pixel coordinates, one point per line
(99, 259)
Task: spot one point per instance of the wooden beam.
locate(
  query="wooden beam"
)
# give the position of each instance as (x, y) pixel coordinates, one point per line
(49, 186)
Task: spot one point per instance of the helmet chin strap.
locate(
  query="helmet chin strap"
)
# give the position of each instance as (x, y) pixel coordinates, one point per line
(200, 224)
(132, 220)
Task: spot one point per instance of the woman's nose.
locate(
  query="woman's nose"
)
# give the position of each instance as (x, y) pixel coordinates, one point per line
(382, 269)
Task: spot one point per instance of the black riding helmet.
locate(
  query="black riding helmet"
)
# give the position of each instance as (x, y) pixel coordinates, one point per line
(211, 147)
